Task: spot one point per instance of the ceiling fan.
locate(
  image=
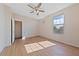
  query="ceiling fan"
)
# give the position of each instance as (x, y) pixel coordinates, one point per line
(35, 9)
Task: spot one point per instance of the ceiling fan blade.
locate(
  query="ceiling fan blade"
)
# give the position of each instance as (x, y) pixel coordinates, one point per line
(32, 12)
(39, 5)
(41, 11)
(30, 6)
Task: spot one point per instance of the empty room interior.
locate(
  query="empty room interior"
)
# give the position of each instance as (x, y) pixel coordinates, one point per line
(39, 29)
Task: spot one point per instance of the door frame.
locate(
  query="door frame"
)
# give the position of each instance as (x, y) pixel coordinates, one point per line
(13, 28)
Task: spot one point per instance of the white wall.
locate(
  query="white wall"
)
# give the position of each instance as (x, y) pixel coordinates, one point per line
(8, 14)
(4, 27)
(2, 40)
(29, 27)
(71, 27)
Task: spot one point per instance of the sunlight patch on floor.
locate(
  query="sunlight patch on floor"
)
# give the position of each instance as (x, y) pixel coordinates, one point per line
(33, 47)
(38, 46)
(46, 44)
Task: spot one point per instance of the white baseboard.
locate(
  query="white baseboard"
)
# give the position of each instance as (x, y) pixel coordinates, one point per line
(70, 44)
(24, 38)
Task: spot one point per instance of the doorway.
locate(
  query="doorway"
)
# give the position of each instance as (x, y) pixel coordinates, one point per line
(18, 29)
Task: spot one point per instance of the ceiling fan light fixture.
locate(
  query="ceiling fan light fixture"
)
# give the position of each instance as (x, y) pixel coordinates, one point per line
(36, 9)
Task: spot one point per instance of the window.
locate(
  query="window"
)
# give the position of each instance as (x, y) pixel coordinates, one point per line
(58, 24)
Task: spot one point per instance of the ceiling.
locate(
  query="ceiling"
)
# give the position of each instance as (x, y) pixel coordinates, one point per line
(23, 9)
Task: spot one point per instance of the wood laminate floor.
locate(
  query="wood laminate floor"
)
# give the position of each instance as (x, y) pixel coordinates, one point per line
(60, 49)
